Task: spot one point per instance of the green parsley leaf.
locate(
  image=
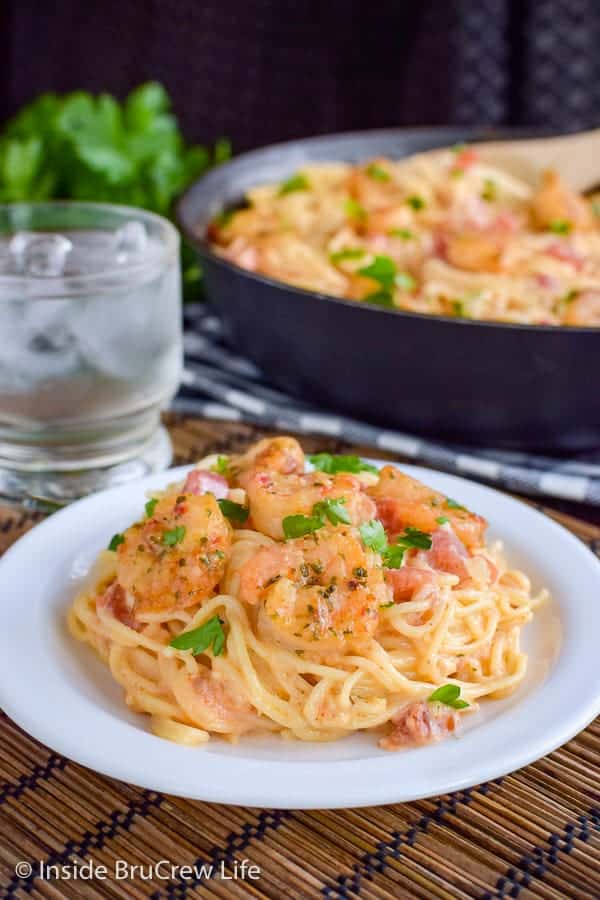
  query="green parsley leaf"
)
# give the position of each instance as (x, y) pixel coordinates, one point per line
(334, 510)
(416, 202)
(380, 298)
(221, 466)
(448, 694)
(560, 226)
(115, 540)
(386, 605)
(490, 190)
(354, 210)
(298, 526)
(442, 520)
(151, 506)
(200, 639)
(453, 504)
(405, 281)
(412, 538)
(297, 182)
(373, 535)
(393, 556)
(458, 148)
(174, 536)
(382, 269)
(459, 309)
(377, 172)
(235, 512)
(596, 207)
(333, 463)
(405, 233)
(347, 253)
(222, 219)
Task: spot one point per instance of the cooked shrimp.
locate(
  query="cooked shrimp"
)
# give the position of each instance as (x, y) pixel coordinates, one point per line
(475, 252)
(373, 185)
(555, 202)
(272, 497)
(419, 723)
(277, 454)
(403, 501)
(323, 586)
(177, 556)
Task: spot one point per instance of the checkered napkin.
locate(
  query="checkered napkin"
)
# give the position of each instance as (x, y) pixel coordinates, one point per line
(218, 384)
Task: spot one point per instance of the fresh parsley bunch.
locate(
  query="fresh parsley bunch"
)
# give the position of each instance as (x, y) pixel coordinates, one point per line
(85, 147)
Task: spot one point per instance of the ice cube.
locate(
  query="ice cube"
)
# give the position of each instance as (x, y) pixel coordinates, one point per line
(130, 240)
(40, 255)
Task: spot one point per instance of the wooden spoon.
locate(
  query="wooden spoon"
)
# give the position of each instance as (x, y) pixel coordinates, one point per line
(576, 158)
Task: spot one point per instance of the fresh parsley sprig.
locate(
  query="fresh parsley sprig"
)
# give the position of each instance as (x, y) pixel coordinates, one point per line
(200, 639)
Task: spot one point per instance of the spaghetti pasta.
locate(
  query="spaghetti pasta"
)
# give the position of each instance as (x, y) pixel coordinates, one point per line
(443, 234)
(349, 625)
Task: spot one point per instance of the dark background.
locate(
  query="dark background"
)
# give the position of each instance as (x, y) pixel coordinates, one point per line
(266, 70)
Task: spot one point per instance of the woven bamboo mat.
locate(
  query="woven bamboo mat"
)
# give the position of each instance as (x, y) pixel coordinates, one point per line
(532, 834)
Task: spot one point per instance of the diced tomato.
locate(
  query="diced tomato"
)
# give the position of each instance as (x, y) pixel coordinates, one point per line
(419, 723)
(406, 581)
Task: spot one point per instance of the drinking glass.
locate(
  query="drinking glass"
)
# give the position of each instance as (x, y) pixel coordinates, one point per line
(90, 347)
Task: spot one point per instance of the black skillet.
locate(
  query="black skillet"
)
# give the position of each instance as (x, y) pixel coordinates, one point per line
(505, 385)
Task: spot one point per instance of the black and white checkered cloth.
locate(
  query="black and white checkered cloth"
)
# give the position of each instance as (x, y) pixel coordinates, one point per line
(218, 384)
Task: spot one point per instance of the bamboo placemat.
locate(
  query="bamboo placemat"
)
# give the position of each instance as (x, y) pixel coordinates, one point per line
(532, 834)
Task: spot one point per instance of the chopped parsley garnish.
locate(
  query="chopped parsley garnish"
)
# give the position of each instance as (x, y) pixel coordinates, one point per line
(453, 504)
(448, 694)
(235, 512)
(459, 309)
(354, 210)
(416, 202)
(377, 172)
(333, 463)
(297, 182)
(442, 520)
(596, 207)
(200, 639)
(115, 540)
(382, 269)
(559, 226)
(151, 506)
(405, 233)
(360, 572)
(380, 298)
(490, 190)
(373, 535)
(405, 281)
(298, 526)
(393, 556)
(221, 465)
(347, 253)
(222, 219)
(334, 510)
(173, 536)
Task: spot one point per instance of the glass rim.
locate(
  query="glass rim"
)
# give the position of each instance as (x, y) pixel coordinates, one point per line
(39, 287)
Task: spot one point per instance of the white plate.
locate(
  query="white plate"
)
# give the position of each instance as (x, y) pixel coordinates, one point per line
(55, 688)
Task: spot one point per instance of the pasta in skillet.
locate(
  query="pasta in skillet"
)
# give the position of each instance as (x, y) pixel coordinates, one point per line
(259, 597)
(446, 234)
